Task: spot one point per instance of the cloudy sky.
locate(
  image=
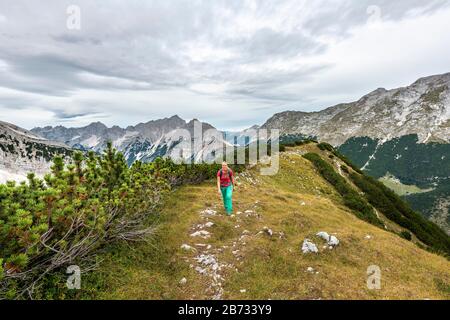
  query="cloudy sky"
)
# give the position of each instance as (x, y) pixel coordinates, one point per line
(230, 63)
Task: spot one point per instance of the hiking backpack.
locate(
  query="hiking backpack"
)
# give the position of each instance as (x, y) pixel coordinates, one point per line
(230, 173)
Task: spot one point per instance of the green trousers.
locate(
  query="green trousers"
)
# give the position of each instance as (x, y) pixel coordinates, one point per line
(227, 194)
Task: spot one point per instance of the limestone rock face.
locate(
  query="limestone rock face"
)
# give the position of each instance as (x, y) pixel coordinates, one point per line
(422, 108)
(22, 151)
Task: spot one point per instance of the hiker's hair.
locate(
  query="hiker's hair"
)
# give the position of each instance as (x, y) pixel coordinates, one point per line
(224, 162)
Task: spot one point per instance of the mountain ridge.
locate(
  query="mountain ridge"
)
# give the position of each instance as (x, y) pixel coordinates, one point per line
(144, 141)
(22, 152)
(422, 108)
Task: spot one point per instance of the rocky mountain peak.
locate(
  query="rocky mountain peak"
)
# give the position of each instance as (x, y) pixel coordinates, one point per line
(422, 108)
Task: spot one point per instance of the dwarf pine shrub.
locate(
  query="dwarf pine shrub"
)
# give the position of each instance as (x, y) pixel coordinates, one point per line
(77, 208)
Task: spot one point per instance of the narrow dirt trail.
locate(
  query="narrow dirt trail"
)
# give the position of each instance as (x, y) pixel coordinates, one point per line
(216, 242)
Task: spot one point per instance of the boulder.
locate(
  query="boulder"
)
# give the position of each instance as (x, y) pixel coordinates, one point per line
(332, 241)
(309, 247)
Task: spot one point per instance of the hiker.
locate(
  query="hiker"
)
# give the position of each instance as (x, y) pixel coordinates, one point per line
(225, 185)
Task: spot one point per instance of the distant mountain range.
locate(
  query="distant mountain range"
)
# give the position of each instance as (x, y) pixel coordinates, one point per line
(400, 135)
(144, 142)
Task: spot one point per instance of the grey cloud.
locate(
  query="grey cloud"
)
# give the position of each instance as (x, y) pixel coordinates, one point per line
(76, 39)
(63, 115)
(338, 17)
(142, 46)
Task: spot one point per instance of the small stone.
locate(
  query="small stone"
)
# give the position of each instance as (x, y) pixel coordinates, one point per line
(187, 247)
(324, 235)
(268, 231)
(202, 233)
(310, 269)
(331, 240)
(309, 247)
(243, 291)
(200, 270)
(209, 212)
(183, 281)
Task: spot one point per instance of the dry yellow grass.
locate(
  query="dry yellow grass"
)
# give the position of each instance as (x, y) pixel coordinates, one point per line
(296, 202)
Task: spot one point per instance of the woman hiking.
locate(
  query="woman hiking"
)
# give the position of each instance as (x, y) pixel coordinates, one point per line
(225, 185)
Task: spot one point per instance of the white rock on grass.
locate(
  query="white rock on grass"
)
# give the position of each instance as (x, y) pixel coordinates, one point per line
(309, 247)
(310, 269)
(200, 245)
(268, 231)
(200, 270)
(202, 233)
(243, 291)
(331, 240)
(209, 212)
(324, 235)
(183, 281)
(368, 237)
(187, 247)
(208, 260)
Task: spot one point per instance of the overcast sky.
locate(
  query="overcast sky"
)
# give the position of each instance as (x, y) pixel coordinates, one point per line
(230, 63)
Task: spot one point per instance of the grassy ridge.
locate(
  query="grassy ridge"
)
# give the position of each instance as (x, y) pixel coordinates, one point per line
(351, 198)
(298, 202)
(383, 199)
